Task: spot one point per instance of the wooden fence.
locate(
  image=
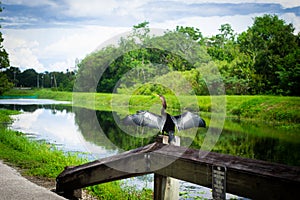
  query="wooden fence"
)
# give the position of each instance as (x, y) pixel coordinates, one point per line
(249, 178)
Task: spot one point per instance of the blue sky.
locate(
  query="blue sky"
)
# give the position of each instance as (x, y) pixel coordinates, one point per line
(48, 35)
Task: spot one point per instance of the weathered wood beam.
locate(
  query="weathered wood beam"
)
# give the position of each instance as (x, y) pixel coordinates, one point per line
(129, 164)
(245, 177)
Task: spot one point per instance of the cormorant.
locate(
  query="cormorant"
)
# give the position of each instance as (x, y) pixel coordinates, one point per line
(166, 123)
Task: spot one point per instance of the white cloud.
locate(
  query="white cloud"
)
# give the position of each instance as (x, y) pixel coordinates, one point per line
(25, 120)
(77, 44)
(22, 53)
(292, 18)
(90, 8)
(62, 66)
(79, 41)
(210, 25)
(115, 10)
(56, 48)
(19, 21)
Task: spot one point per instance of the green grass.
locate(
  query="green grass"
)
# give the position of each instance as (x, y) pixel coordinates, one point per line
(40, 93)
(19, 92)
(111, 191)
(5, 116)
(281, 110)
(36, 158)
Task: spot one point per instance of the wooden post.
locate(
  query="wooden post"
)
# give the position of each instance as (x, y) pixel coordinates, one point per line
(166, 188)
(71, 194)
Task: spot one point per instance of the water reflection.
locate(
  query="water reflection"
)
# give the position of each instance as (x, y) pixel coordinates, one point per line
(56, 125)
(256, 141)
(100, 128)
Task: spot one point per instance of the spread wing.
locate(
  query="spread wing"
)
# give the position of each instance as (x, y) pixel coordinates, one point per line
(188, 120)
(144, 118)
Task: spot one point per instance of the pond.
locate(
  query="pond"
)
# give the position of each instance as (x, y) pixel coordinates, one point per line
(99, 136)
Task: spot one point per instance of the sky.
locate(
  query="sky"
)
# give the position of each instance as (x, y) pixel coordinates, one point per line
(49, 35)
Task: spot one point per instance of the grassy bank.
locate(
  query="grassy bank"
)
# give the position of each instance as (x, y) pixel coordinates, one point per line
(40, 93)
(5, 117)
(279, 110)
(43, 160)
(37, 159)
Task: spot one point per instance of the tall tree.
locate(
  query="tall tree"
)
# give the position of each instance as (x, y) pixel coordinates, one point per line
(4, 63)
(12, 74)
(275, 53)
(192, 32)
(222, 45)
(28, 78)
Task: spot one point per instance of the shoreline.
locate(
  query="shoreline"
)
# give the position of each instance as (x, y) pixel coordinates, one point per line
(282, 111)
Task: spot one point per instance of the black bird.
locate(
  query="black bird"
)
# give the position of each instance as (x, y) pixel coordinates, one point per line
(165, 123)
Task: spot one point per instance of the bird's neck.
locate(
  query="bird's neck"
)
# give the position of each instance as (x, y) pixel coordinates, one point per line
(164, 104)
(163, 111)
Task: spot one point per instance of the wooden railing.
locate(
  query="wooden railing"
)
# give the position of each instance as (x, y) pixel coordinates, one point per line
(249, 178)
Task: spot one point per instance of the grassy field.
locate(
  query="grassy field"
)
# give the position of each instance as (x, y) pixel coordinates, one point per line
(272, 109)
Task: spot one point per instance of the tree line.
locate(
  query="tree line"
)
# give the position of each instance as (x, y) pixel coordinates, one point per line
(4, 63)
(30, 78)
(264, 59)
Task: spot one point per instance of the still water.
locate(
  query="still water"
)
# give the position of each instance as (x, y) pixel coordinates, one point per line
(96, 134)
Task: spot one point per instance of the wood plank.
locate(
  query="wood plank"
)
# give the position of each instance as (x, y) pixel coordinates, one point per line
(129, 164)
(245, 177)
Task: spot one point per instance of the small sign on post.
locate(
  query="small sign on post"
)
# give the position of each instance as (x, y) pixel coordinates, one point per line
(219, 182)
